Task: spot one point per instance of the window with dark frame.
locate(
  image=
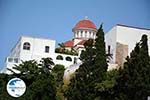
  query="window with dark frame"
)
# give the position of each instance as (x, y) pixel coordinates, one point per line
(47, 49)
(108, 49)
(26, 46)
(10, 59)
(59, 57)
(16, 60)
(68, 59)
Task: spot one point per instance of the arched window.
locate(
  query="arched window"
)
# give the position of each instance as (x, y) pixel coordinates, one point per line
(80, 35)
(90, 33)
(59, 57)
(26, 46)
(68, 59)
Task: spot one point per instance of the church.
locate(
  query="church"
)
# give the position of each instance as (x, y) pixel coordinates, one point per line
(119, 42)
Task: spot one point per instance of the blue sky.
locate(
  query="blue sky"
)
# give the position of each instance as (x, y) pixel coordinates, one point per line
(55, 19)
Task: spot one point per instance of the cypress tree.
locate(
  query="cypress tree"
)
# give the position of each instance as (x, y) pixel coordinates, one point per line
(79, 88)
(92, 70)
(134, 81)
(100, 64)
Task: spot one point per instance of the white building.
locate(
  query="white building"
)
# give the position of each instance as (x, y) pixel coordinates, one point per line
(120, 41)
(30, 48)
(83, 30)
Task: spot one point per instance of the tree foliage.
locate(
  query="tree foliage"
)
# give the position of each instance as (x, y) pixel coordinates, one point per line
(92, 70)
(58, 73)
(134, 80)
(91, 81)
(41, 84)
(62, 49)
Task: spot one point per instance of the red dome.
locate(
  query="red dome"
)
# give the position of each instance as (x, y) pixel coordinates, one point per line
(85, 24)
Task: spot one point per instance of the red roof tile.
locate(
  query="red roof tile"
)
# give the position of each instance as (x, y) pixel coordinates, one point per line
(69, 43)
(85, 24)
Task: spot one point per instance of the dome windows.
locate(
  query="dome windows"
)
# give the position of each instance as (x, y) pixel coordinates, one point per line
(84, 29)
(85, 34)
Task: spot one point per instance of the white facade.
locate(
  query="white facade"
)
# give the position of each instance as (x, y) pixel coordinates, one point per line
(110, 40)
(125, 35)
(120, 41)
(130, 36)
(85, 33)
(30, 48)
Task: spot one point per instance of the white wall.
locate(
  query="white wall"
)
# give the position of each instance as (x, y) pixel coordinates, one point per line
(15, 52)
(130, 36)
(85, 34)
(37, 50)
(110, 39)
(76, 41)
(64, 61)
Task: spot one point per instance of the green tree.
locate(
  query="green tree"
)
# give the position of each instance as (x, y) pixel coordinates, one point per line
(27, 70)
(79, 87)
(4, 78)
(44, 87)
(134, 80)
(61, 48)
(41, 84)
(92, 70)
(105, 89)
(100, 65)
(58, 73)
(46, 65)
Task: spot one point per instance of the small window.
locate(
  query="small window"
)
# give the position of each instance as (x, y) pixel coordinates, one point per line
(10, 59)
(16, 60)
(108, 49)
(47, 49)
(26, 46)
(90, 34)
(85, 34)
(59, 57)
(75, 60)
(68, 59)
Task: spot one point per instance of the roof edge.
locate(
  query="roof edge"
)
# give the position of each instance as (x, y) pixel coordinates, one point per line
(132, 26)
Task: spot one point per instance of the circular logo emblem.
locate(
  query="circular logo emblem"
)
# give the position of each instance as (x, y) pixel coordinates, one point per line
(16, 87)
